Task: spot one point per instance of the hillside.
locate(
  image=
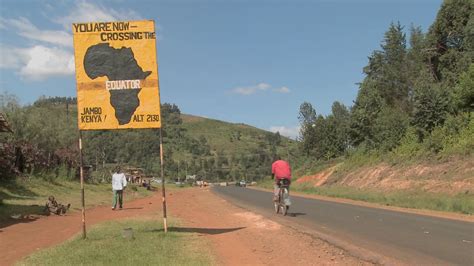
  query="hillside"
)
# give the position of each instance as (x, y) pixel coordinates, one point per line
(45, 135)
(235, 138)
(454, 176)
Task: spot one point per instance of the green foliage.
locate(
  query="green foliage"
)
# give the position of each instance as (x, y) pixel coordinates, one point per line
(456, 136)
(366, 109)
(430, 108)
(414, 101)
(410, 147)
(464, 92)
(389, 128)
(324, 137)
(308, 119)
(450, 41)
(338, 139)
(393, 83)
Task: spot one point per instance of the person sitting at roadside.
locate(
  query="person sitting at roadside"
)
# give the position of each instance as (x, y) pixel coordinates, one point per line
(52, 206)
(145, 184)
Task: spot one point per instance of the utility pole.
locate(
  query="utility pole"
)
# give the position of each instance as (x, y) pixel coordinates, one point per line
(178, 171)
(81, 173)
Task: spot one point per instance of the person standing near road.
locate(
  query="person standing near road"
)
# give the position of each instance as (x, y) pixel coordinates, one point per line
(280, 170)
(119, 182)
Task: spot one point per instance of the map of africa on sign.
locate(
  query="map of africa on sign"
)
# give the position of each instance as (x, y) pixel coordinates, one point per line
(117, 65)
(116, 73)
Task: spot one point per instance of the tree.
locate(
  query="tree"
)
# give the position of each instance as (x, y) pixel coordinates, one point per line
(451, 41)
(417, 58)
(307, 118)
(340, 121)
(431, 106)
(365, 111)
(393, 83)
(307, 114)
(464, 92)
(389, 128)
(171, 114)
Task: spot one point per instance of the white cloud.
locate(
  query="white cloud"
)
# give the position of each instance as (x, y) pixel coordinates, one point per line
(291, 132)
(11, 57)
(44, 62)
(283, 89)
(84, 11)
(23, 27)
(249, 90)
(51, 53)
(38, 62)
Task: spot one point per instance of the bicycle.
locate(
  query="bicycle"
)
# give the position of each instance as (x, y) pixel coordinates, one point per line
(283, 203)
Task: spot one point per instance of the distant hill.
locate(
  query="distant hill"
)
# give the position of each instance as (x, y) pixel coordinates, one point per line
(235, 150)
(234, 138)
(47, 133)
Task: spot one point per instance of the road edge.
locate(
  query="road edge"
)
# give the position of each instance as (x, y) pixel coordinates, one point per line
(355, 251)
(430, 213)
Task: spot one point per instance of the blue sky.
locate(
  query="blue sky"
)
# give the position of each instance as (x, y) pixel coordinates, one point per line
(251, 62)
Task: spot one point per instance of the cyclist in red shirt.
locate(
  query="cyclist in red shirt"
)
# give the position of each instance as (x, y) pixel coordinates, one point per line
(280, 169)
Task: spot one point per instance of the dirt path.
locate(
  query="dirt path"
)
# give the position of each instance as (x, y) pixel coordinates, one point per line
(237, 236)
(252, 239)
(21, 239)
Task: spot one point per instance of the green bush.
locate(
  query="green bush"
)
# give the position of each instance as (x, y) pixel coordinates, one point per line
(459, 132)
(409, 147)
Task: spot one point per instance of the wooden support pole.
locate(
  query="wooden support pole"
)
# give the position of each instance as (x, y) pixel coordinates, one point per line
(83, 202)
(165, 226)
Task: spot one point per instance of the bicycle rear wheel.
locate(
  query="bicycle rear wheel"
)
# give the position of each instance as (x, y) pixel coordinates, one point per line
(277, 207)
(284, 195)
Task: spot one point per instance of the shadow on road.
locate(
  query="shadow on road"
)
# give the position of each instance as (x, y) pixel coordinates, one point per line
(296, 214)
(207, 231)
(12, 208)
(133, 208)
(14, 214)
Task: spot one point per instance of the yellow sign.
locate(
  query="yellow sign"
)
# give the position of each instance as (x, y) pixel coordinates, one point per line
(116, 75)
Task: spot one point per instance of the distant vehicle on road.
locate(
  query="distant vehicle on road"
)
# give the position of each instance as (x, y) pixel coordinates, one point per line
(242, 183)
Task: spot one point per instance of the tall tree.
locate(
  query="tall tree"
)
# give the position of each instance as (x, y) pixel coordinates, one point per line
(451, 41)
(431, 105)
(307, 118)
(341, 122)
(365, 111)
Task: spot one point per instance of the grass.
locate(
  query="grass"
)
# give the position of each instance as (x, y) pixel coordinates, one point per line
(105, 245)
(266, 183)
(460, 203)
(29, 196)
(415, 199)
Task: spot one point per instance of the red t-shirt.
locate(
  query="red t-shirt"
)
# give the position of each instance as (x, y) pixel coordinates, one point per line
(281, 169)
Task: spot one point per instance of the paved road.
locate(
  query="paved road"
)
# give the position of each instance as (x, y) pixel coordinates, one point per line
(405, 237)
